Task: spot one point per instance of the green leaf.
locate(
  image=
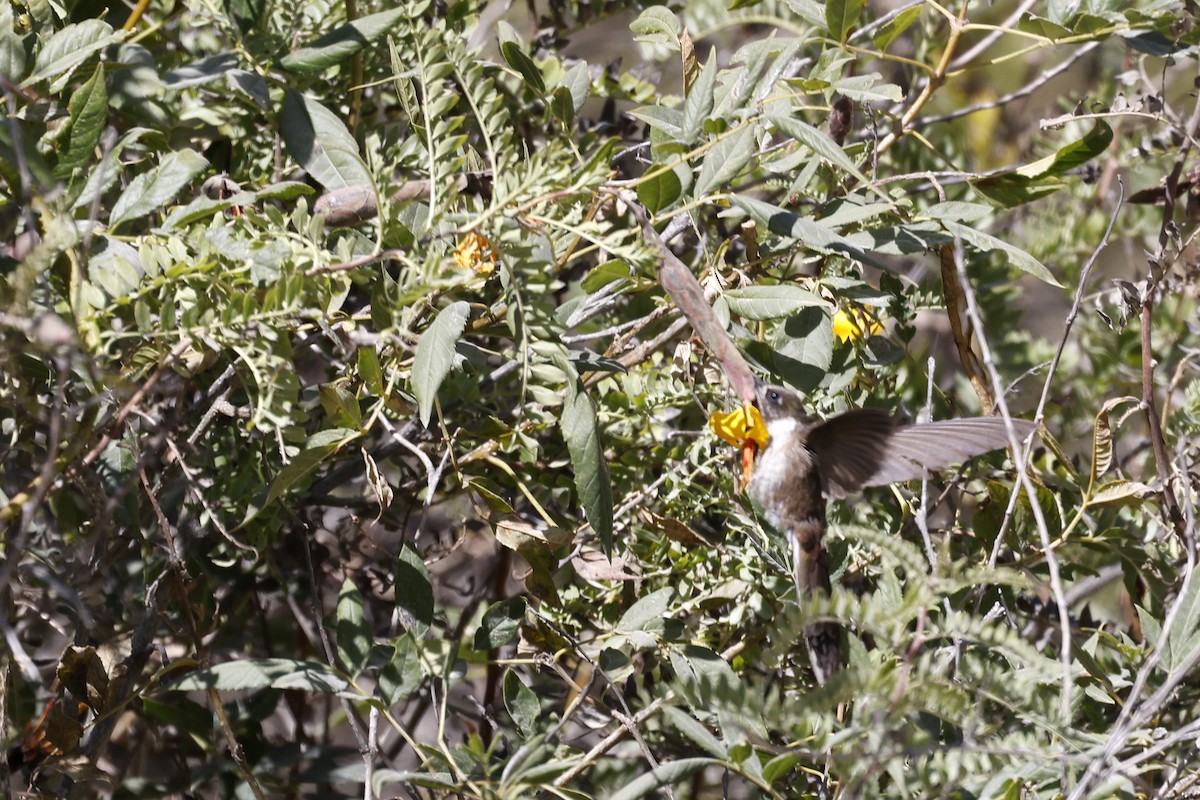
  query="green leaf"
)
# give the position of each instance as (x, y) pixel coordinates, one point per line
(812, 233)
(1010, 190)
(522, 704)
(868, 89)
(770, 302)
(155, 188)
(1043, 176)
(88, 108)
(841, 16)
(658, 191)
(344, 41)
(690, 727)
(414, 592)
(320, 143)
(318, 448)
(605, 273)
(780, 765)
(1184, 636)
(369, 370)
(1118, 493)
(663, 775)
(897, 25)
(401, 676)
(12, 49)
(563, 106)
(578, 82)
(820, 143)
(957, 211)
(699, 104)
(725, 160)
(1073, 155)
(514, 53)
(803, 348)
(202, 208)
(648, 613)
(582, 434)
(67, 49)
(435, 355)
(665, 121)
(657, 25)
(501, 624)
(1016, 256)
(185, 714)
(354, 638)
(259, 673)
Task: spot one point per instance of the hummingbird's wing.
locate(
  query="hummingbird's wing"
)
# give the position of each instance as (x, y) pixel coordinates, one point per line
(850, 448)
(854, 451)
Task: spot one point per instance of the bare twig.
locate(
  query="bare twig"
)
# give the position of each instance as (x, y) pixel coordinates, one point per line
(1068, 324)
(1056, 585)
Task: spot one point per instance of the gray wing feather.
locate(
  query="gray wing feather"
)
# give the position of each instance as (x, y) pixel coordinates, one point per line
(864, 448)
(933, 446)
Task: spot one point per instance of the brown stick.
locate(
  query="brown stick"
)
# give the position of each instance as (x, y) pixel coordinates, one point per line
(956, 310)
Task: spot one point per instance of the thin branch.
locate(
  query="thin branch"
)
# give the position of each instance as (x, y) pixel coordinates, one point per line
(1056, 585)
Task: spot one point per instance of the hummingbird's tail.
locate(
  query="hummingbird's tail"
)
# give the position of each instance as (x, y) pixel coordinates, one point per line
(810, 569)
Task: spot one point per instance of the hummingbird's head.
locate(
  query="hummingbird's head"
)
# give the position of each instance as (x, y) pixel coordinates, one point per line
(776, 402)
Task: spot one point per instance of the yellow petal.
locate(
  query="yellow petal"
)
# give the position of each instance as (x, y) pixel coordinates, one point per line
(848, 325)
(475, 252)
(739, 425)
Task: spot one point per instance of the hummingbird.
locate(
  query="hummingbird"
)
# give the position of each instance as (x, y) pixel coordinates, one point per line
(808, 460)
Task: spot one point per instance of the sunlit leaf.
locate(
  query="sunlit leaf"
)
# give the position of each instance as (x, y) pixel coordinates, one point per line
(259, 673)
(522, 704)
(320, 142)
(343, 41)
(354, 638)
(582, 434)
(435, 355)
(150, 190)
(770, 302)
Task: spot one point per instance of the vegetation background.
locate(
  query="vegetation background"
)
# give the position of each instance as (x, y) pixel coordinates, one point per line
(352, 447)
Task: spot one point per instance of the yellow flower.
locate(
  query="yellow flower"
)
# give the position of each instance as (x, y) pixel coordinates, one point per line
(475, 252)
(739, 426)
(848, 325)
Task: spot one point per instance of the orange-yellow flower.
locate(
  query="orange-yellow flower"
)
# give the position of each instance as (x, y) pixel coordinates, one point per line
(740, 425)
(849, 325)
(475, 252)
(743, 427)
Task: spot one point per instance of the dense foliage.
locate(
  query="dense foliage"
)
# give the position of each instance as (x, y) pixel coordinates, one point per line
(353, 447)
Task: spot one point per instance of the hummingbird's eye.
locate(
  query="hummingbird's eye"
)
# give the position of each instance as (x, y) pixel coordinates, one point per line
(773, 396)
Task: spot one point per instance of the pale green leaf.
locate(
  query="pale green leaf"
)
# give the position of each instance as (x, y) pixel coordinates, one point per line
(1016, 256)
(354, 637)
(522, 704)
(259, 673)
(820, 143)
(582, 434)
(435, 355)
(770, 302)
(343, 41)
(68, 48)
(153, 189)
(663, 775)
(320, 143)
(725, 160)
(699, 104)
(1119, 492)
